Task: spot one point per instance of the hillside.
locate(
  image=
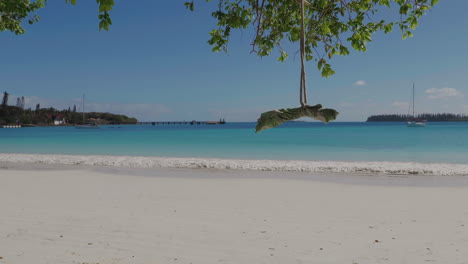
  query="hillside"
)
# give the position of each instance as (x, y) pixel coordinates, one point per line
(51, 116)
(444, 117)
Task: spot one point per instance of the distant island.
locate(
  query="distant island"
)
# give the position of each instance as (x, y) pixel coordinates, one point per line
(18, 115)
(50, 116)
(444, 117)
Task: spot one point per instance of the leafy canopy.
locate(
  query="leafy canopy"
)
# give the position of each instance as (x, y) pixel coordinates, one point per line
(14, 12)
(332, 26)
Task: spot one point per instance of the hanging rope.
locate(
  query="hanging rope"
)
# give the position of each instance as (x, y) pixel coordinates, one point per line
(276, 117)
(303, 88)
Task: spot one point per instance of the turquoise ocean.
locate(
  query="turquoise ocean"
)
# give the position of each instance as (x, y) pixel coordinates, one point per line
(443, 142)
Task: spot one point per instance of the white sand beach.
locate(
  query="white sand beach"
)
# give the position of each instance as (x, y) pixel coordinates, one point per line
(89, 215)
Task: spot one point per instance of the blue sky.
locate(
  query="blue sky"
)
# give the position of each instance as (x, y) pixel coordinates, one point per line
(155, 64)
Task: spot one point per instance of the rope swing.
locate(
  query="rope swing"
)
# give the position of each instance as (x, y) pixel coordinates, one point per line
(276, 117)
(303, 88)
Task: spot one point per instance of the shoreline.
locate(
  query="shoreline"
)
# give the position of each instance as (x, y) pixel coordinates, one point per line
(350, 167)
(360, 179)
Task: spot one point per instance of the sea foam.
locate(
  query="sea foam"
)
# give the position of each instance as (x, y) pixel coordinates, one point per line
(236, 164)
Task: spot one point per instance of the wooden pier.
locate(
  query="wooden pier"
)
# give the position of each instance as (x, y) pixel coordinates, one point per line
(193, 122)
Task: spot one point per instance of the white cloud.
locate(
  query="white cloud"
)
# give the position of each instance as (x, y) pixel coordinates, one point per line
(443, 93)
(360, 83)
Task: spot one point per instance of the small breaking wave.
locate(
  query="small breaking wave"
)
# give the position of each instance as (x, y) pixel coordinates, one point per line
(383, 167)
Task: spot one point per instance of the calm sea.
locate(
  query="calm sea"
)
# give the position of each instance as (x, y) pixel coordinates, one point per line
(445, 142)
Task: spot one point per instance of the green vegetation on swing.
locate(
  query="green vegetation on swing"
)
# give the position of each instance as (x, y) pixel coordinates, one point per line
(324, 28)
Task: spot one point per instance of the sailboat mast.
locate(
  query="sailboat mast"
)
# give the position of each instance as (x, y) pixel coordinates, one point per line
(413, 101)
(83, 108)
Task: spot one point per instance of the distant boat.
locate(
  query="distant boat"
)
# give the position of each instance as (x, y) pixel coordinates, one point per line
(415, 122)
(89, 125)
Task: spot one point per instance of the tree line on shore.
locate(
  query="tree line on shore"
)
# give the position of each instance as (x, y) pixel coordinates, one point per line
(440, 117)
(48, 116)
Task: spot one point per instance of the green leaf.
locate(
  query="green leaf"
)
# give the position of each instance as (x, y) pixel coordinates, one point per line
(189, 5)
(73, 2)
(283, 56)
(388, 28)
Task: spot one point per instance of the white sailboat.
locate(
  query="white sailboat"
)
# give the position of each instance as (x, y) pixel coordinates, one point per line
(415, 122)
(85, 125)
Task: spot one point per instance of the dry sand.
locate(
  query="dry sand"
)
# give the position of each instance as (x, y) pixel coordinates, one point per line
(104, 215)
